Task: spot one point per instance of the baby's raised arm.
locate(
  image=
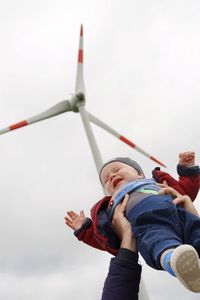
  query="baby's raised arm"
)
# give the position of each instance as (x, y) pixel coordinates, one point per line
(74, 220)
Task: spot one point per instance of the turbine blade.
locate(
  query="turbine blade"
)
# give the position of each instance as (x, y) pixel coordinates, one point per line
(91, 138)
(55, 110)
(80, 87)
(101, 124)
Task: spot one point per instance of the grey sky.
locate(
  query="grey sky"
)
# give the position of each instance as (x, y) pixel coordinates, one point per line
(142, 78)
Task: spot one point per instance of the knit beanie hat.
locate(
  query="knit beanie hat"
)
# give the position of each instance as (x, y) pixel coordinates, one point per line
(124, 160)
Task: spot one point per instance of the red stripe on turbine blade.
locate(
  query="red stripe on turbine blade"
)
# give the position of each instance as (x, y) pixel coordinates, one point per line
(125, 140)
(18, 125)
(157, 161)
(81, 32)
(80, 56)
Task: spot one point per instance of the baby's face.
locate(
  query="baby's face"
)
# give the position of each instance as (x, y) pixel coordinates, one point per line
(116, 174)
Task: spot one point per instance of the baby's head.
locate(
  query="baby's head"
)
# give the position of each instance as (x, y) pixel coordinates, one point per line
(118, 171)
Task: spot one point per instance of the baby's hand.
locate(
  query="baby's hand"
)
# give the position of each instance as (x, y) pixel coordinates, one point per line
(187, 159)
(73, 220)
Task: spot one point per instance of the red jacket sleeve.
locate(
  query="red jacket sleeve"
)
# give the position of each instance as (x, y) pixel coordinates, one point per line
(188, 183)
(91, 237)
(189, 179)
(86, 234)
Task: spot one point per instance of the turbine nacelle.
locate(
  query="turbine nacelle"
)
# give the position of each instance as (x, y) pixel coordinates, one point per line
(76, 101)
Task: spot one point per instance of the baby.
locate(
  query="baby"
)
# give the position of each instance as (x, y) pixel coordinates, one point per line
(168, 236)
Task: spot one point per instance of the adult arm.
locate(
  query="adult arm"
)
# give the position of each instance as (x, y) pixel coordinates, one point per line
(123, 279)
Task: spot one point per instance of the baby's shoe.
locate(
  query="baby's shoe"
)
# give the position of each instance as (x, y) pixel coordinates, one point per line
(185, 264)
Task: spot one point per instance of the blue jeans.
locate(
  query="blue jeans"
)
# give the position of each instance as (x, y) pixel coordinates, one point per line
(159, 225)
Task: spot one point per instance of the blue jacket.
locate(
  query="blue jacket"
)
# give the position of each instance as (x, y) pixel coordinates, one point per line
(123, 279)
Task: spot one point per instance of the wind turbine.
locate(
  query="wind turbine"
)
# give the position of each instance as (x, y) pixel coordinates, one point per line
(77, 104)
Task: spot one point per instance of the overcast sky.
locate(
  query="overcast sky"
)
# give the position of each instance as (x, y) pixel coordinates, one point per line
(142, 70)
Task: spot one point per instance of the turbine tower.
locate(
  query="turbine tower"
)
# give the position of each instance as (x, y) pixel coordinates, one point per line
(77, 104)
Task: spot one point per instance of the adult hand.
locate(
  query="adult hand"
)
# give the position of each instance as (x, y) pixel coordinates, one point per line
(186, 202)
(179, 199)
(122, 226)
(167, 190)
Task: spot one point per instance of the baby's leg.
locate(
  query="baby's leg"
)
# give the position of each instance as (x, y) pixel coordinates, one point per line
(156, 229)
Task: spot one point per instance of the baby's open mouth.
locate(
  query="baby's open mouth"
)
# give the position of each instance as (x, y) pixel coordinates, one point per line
(116, 181)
